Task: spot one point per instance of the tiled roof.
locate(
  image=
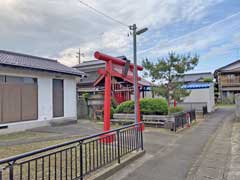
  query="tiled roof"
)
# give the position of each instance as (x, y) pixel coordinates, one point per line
(37, 63)
(234, 66)
(194, 77)
(89, 63)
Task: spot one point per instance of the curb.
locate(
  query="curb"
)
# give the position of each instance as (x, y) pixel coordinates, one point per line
(106, 172)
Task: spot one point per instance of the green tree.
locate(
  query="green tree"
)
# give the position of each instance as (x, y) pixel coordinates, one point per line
(168, 71)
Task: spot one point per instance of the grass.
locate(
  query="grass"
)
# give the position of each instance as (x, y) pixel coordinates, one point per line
(25, 135)
(6, 151)
(65, 162)
(225, 105)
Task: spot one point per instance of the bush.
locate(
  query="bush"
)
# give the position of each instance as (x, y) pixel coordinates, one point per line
(125, 107)
(148, 106)
(173, 110)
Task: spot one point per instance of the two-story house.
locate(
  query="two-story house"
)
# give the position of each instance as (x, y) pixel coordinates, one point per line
(228, 79)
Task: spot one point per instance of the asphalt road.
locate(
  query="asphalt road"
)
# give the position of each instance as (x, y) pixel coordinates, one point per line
(170, 157)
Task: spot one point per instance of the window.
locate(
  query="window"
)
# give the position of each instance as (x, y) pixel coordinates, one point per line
(20, 80)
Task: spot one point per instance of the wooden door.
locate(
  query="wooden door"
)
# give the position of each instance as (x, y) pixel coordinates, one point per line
(11, 103)
(29, 102)
(58, 98)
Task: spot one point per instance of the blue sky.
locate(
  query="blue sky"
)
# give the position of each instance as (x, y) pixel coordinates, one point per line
(57, 28)
(215, 37)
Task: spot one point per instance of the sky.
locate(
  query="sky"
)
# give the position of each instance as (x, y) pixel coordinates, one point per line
(57, 28)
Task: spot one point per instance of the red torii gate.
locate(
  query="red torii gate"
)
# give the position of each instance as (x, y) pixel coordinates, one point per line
(115, 68)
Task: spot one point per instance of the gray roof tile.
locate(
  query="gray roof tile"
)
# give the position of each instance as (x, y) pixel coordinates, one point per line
(37, 63)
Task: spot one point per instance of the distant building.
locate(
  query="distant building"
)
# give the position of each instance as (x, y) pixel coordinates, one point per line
(34, 91)
(195, 77)
(228, 79)
(201, 89)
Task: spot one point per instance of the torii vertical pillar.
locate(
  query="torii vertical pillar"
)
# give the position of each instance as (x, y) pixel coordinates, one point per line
(107, 97)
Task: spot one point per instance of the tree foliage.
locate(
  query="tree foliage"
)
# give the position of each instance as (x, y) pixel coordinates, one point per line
(168, 71)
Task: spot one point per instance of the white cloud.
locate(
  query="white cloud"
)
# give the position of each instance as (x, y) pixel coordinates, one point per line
(214, 39)
(59, 27)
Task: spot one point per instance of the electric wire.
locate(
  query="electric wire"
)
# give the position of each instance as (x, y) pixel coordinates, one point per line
(102, 13)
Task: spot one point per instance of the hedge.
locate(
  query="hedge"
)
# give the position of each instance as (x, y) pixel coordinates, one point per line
(156, 106)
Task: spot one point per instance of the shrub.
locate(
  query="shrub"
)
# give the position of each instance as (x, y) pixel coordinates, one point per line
(173, 110)
(156, 106)
(125, 107)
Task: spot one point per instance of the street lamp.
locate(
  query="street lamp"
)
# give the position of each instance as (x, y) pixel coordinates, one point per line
(135, 33)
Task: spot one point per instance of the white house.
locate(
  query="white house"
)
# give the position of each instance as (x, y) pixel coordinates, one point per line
(201, 93)
(34, 91)
(201, 89)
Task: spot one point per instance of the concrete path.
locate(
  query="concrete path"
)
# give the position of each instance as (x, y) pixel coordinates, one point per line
(81, 129)
(234, 163)
(174, 160)
(214, 160)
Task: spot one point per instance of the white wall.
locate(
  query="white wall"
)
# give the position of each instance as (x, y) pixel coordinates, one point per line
(202, 95)
(45, 96)
(70, 98)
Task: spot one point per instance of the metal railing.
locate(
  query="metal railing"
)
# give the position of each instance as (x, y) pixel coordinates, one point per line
(184, 118)
(74, 159)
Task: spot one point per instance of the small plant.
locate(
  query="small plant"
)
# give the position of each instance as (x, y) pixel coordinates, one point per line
(112, 111)
(208, 80)
(85, 96)
(114, 103)
(173, 110)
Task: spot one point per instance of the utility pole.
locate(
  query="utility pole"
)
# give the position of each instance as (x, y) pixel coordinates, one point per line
(135, 84)
(135, 75)
(79, 54)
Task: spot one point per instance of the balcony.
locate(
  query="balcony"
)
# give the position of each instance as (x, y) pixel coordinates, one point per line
(230, 81)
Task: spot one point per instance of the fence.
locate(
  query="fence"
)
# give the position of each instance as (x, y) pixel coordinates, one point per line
(74, 159)
(181, 119)
(204, 110)
(191, 105)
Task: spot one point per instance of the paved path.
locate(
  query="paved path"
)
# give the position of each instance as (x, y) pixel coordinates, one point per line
(80, 129)
(234, 163)
(174, 161)
(214, 161)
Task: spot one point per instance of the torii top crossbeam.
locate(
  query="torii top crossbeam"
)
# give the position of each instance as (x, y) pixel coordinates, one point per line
(114, 60)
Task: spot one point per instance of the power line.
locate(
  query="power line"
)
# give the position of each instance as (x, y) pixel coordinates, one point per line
(103, 14)
(192, 33)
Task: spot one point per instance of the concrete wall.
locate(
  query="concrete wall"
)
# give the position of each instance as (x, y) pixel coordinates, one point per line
(45, 104)
(205, 95)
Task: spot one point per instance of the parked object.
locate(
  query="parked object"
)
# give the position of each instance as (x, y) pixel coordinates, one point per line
(74, 159)
(34, 90)
(228, 80)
